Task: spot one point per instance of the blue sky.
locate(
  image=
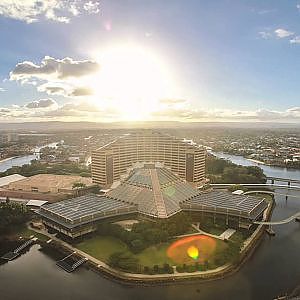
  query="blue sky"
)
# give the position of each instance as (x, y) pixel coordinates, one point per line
(224, 60)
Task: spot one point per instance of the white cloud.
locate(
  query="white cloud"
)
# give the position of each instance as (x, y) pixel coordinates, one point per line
(51, 68)
(91, 7)
(265, 34)
(42, 103)
(283, 33)
(48, 109)
(2, 89)
(65, 90)
(64, 77)
(56, 10)
(295, 40)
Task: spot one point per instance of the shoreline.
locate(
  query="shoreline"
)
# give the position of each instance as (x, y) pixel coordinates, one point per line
(7, 159)
(259, 162)
(248, 249)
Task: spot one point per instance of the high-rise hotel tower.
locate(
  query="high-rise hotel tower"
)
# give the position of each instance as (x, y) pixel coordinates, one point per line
(183, 157)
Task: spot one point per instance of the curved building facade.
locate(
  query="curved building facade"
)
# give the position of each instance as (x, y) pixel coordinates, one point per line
(183, 157)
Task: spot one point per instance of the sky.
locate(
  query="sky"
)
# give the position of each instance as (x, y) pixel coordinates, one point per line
(147, 60)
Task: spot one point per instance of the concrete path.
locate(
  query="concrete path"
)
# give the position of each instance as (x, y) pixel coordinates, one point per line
(102, 265)
(227, 233)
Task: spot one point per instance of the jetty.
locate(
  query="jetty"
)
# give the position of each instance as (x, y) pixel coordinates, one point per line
(15, 253)
(70, 267)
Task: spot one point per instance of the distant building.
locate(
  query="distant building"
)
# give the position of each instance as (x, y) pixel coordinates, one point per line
(3, 139)
(8, 138)
(183, 157)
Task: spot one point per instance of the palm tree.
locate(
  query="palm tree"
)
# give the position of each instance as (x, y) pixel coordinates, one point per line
(77, 186)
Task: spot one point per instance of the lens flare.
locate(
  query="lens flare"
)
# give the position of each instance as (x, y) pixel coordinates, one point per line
(191, 249)
(193, 252)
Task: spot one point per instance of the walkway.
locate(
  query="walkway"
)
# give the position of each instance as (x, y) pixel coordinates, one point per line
(132, 276)
(223, 236)
(284, 221)
(255, 185)
(270, 193)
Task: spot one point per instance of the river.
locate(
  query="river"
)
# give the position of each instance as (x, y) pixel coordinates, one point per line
(273, 270)
(23, 160)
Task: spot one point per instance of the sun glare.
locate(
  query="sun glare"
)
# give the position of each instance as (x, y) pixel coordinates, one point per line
(131, 79)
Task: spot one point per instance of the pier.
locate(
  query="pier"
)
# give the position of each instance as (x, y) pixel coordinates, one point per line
(15, 253)
(70, 266)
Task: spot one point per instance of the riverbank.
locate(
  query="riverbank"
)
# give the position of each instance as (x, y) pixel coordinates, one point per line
(7, 159)
(256, 161)
(137, 278)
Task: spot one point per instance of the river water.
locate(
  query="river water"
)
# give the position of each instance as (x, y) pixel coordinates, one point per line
(273, 270)
(23, 160)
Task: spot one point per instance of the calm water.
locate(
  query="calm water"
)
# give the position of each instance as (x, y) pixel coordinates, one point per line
(269, 171)
(23, 160)
(273, 270)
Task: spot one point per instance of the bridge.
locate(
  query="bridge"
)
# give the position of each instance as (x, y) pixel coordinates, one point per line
(295, 217)
(289, 181)
(256, 185)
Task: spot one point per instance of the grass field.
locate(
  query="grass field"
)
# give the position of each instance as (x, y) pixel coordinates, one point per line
(25, 232)
(155, 255)
(101, 247)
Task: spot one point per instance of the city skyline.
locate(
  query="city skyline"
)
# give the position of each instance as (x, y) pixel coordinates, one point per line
(107, 61)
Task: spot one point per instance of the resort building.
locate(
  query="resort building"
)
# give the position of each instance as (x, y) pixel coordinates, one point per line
(150, 191)
(183, 157)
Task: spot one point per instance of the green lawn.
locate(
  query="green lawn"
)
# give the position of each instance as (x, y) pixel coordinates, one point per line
(216, 230)
(155, 255)
(25, 232)
(102, 247)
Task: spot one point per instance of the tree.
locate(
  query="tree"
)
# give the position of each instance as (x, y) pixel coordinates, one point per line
(77, 186)
(124, 261)
(137, 246)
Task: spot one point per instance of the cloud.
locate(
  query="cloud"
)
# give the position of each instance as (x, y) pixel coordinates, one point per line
(61, 11)
(2, 89)
(51, 68)
(265, 34)
(282, 33)
(187, 114)
(42, 103)
(64, 89)
(295, 40)
(82, 91)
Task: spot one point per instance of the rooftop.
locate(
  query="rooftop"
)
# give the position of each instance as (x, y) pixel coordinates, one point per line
(155, 190)
(84, 209)
(223, 201)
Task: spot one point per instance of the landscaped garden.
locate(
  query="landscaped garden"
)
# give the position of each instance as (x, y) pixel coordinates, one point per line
(151, 247)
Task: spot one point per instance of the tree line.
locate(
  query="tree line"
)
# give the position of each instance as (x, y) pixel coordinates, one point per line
(11, 215)
(219, 170)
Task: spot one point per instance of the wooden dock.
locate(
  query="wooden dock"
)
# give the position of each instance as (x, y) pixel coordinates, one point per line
(15, 253)
(70, 267)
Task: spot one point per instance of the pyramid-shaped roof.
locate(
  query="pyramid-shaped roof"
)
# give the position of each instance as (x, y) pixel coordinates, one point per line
(156, 191)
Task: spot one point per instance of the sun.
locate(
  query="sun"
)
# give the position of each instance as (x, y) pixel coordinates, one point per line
(132, 80)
